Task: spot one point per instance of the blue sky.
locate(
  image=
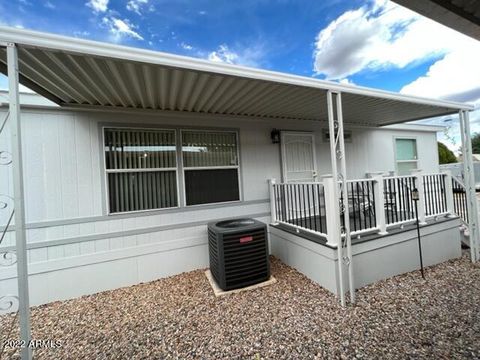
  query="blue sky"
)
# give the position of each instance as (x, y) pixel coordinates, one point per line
(371, 43)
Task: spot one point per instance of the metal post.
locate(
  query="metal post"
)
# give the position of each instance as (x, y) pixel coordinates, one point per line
(346, 215)
(415, 197)
(337, 154)
(469, 185)
(336, 203)
(20, 234)
(273, 203)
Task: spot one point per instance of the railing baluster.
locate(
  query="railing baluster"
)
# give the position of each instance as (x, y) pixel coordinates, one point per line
(347, 203)
(393, 199)
(297, 204)
(444, 193)
(324, 197)
(362, 204)
(289, 203)
(400, 200)
(430, 195)
(373, 208)
(277, 201)
(386, 200)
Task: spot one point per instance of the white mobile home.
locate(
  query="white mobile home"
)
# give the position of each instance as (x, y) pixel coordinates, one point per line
(127, 154)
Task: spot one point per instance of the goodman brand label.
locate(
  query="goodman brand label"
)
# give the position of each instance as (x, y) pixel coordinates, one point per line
(246, 239)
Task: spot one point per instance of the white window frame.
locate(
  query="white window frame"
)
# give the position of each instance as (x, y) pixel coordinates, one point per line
(416, 161)
(108, 171)
(183, 168)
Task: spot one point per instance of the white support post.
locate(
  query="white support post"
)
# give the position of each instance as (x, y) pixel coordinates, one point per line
(331, 211)
(449, 192)
(273, 203)
(418, 173)
(332, 128)
(346, 214)
(469, 185)
(379, 193)
(20, 233)
(339, 173)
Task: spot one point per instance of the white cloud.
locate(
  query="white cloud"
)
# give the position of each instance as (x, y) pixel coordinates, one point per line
(186, 46)
(248, 56)
(120, 28)
(136, 5)
(455, 77)
(380, 36)
(385, 35)
(98, 5)
(81, 33)
(49, 5)
(346, 81)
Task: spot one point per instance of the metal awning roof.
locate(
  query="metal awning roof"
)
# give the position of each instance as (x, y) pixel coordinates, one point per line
(461, 15)
(80, 73)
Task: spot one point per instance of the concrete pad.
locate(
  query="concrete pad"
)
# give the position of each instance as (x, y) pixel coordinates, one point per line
(219, 292)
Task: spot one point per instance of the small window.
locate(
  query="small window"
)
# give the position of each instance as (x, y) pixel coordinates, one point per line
(210, 163)
(406, 152)
(141, 169)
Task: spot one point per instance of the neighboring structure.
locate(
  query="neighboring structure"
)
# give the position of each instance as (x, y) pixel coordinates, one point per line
(145, 148)
(461, 15)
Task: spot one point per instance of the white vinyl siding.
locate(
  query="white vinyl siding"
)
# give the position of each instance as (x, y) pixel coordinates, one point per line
(141, 169)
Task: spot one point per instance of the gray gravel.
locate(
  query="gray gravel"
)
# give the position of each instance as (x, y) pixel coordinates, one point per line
(179, 317)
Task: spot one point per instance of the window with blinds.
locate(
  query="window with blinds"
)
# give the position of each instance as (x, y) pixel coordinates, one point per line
(210, 165)
(141, 169)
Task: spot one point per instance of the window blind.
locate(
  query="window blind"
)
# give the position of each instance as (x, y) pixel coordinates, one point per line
(209, 149)
(210, 162)
(141, 169)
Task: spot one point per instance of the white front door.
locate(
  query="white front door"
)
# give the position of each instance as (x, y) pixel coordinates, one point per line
(298, 157)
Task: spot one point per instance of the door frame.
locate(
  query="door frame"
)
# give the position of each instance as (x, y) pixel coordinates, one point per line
(283, 157)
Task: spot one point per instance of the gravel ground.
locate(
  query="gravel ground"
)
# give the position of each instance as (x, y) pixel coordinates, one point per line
(179, 317)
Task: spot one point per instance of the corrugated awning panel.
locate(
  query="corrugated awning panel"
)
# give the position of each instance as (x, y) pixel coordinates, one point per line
(81, 79)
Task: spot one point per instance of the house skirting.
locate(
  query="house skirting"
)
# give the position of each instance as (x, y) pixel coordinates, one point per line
(375, 259)
(71, 277)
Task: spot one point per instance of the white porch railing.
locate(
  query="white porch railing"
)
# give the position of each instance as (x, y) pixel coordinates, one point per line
(375, 204)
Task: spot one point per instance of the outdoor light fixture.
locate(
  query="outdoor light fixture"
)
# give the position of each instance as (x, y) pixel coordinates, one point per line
(275, 136)
(415, 198)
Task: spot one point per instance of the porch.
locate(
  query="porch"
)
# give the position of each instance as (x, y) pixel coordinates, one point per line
(382, 217)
